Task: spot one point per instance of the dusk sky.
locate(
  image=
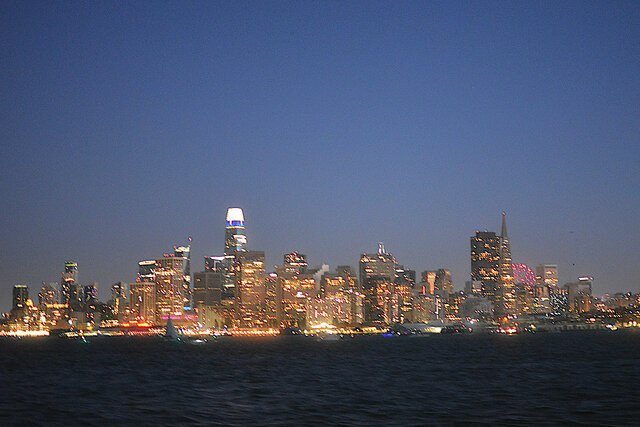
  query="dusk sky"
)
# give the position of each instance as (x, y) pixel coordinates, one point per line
(128, 126)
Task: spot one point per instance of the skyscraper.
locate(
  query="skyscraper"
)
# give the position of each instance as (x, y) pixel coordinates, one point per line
(250, 288)
(505, 298)
(377, 277)
(70, 289)
(485, 266)
(235, 239)
(20, 296)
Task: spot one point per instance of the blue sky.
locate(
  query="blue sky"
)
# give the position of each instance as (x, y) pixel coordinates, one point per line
(128, 126)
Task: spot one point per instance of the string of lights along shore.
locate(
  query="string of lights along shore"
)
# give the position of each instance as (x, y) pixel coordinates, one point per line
(233, 291)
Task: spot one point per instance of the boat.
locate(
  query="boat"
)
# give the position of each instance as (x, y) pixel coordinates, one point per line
(171, 334)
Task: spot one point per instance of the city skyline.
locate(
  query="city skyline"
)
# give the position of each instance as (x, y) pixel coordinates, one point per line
(127, 129)
(71, 266)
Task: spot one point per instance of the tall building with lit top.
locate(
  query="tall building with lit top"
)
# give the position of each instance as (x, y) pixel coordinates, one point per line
(235, 239)
(69, 284)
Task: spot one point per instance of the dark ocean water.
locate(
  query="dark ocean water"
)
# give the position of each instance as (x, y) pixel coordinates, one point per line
(569, 378)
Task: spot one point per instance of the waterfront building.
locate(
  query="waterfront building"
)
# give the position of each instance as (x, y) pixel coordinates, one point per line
(580, 298)
(250, 288)
(428, 281)
(294, 290)
(377, 279)
(143, 302)
(173, 292)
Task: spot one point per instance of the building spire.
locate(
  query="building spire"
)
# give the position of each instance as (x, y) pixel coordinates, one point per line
(381, 248)
(504, 226)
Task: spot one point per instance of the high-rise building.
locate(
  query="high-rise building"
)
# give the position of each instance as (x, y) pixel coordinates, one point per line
(505, 298)
(146, 271)
(443, 282)
(377, 278)
(173, 291)
(207, 288)
(485, 262)
(547, 276)
(428, 282)
(70, 293)
(251, 291)
(295, 262)
(214, 263)
(143, 302)
(378, 264)
(579, 295)
(235, 239)
(20, 297)
(49, 294)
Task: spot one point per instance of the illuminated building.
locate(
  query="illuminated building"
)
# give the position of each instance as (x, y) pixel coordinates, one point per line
(90, 293)
(485, 257)
(295, 290)
(70, 294)
(214, 263)
(579, 295)
(524, 285)
(146, 271)
(404, 275)
(505, 296)
(235, 239)
(443, 282)
(120, 298)
(173, 291)
(378, 264)
(143, 302)
(250, 288)
(295, 262)
(49, 294)
(428, 281)
(207, 288)
(547, 276)
(20, 297)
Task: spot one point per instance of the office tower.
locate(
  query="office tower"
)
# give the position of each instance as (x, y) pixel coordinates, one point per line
(378, 264)
(146, 271)
(404, 275)
(505, 298)
(377, 277)
(207, 288)
(172, 289)
(485, 257)
(143, 302)
(295, 262)
(580, 295)
(547, 276)
(235, 239)
(443, 282)
(428, 282)
(90, 293)
(214, 263)
(69, 284)
(120, 297)
(49, 294)
(250, 288)
(294, 290)
(20, 297)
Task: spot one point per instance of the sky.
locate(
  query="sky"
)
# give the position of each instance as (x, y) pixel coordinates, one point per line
(128, 126)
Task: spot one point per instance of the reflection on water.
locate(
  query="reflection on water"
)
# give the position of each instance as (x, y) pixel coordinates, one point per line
(581, 377)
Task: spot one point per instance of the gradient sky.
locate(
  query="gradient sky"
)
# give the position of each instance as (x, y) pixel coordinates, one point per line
(128, 126)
